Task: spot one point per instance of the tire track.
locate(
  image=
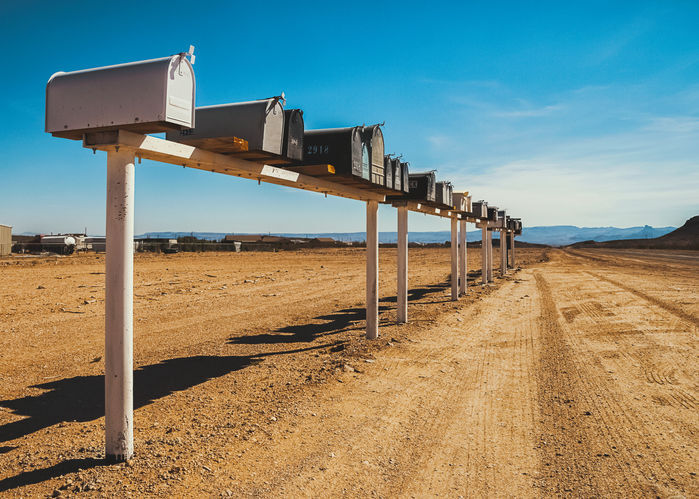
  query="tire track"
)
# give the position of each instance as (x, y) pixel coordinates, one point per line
(655, 301)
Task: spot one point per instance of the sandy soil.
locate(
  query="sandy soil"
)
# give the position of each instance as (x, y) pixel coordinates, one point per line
(576, 376)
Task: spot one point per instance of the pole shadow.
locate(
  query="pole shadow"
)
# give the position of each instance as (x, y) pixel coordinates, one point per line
(37, 476)
(335, 323)
(81, 398)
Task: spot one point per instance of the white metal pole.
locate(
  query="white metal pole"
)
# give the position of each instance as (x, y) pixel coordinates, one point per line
(372, 270)
(484, 253)
(503, 253)
(490, 256)
(402, 301)
(118, 344)
(454, 259)
(462, 257)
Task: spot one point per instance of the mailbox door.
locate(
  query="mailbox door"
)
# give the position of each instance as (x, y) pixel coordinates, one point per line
(180, 86)
(388, 172)
(377, 154)
(359, 154)
(273, 133)
(293, 134)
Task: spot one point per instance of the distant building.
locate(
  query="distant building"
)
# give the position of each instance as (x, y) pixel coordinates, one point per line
(5, 240)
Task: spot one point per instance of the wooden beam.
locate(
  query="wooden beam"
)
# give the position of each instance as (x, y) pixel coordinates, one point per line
(165, 151)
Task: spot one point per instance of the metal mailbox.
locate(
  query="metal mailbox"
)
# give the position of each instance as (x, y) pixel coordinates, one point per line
(388, 171)
(405, 176)
(443, 191)
(502, 219)
(397, 174)
(145, 97)
(423, 186)
(479, 209)
(373, 138)
(341, 147)
(462, 201)
(259, 122)
(292, 146)
(492, 213)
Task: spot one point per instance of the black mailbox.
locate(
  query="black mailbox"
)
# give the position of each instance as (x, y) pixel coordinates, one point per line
(341, 147)
(405, 176)
(388, 172)
(423, 186)
(443, 192)
(479, 209)
(373, 138)
(492, 213)
(292, 147)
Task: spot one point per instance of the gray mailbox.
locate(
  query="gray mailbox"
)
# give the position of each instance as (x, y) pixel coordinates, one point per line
(259, 122)
(462, 201)
(479, 209)
(444, 194)
(145, 97)
(502, 219)
(388, 171)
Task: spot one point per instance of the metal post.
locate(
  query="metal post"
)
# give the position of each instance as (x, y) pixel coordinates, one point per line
(503, 253)
(512, 246)
(372, 270)
(118, 344)
(463, 280)
(402, 301)
(454, 259)
(484, 253)
(490, 256)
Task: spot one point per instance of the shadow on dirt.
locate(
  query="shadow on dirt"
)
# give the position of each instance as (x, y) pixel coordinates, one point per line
(38, 476)
(335, 323)
(81, 398)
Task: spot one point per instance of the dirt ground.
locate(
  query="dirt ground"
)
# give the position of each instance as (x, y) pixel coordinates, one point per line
(574, 376)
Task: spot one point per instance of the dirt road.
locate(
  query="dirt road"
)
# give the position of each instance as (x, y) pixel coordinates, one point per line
(575, 376)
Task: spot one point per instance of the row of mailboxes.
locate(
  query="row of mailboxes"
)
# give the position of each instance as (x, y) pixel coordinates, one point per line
(443, 193)
(396, 174)
(159, 95)
(422, 186)
(145, 97)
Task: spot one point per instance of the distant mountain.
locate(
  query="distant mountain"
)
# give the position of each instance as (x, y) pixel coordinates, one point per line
(686, 237)
(555, 235)
(563, 235)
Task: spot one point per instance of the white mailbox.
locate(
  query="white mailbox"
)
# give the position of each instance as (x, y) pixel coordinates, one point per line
(146, 97)
(462, 201)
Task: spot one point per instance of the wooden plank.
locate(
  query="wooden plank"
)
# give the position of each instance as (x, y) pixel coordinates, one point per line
(154, 148)
(221, 145)
(313, 170)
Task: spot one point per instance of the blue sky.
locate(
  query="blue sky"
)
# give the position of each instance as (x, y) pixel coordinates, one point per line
(580, 113)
